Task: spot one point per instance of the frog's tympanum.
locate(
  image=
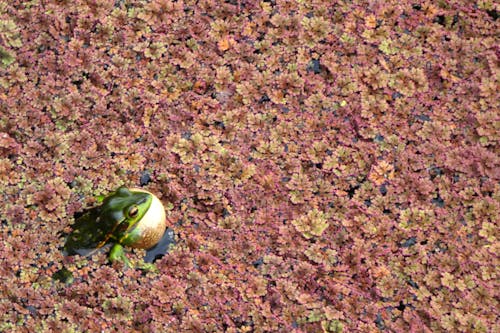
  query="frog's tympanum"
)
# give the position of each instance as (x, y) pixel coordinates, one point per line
(127, 217)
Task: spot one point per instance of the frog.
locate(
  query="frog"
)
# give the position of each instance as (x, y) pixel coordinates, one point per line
(127, 217)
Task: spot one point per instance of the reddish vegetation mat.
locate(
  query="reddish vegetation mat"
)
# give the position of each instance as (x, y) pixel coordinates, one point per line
(329, 166)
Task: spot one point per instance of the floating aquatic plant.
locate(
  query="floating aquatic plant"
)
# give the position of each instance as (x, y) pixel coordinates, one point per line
(331, 166)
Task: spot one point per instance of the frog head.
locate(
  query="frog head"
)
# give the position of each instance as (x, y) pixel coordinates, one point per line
(126, 217)
(121, 212)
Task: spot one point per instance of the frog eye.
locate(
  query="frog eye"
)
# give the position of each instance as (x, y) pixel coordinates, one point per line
(133, 211)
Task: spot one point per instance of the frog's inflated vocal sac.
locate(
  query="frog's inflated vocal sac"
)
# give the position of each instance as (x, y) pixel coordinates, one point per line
(127, 217)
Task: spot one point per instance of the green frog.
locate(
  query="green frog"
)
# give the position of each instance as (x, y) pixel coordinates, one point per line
(127, 217)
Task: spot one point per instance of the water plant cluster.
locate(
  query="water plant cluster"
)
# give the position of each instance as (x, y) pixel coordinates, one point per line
(328, 166)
